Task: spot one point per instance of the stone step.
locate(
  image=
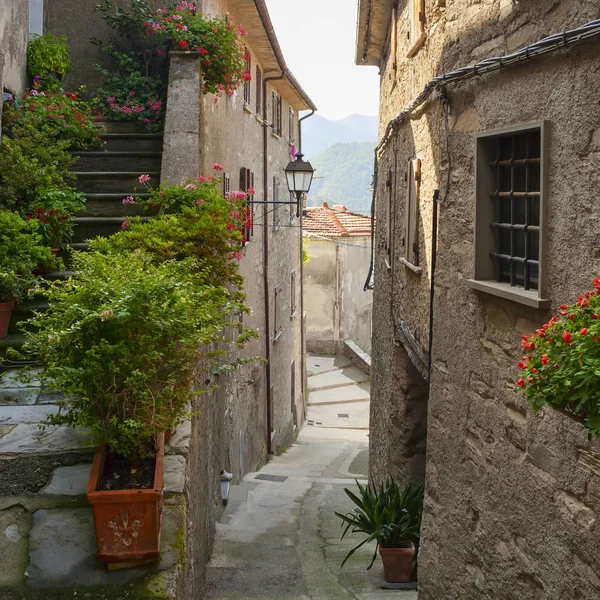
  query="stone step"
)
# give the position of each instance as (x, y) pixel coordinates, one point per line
(87, 228)
(126, 182)
(24, 311)
(109, 126)
(133, 141)
(105, 160)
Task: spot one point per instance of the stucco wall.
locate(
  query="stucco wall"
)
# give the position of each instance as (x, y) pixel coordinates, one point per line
(511, 500)
(337, 307)
(14, 35)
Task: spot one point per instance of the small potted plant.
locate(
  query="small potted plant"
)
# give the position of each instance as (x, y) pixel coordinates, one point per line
(391, 517)
(559, 367)
(48, 60)
(121, 340)
(21, 250)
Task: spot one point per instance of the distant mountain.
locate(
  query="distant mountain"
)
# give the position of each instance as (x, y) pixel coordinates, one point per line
(343, 175)
(318, 132)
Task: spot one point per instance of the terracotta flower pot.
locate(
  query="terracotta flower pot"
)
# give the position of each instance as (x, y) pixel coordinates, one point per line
(397, 563)
(6, 309)
(127, 522)
(45, 270)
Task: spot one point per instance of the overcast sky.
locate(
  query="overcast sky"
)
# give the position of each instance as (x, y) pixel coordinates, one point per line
(317, 38)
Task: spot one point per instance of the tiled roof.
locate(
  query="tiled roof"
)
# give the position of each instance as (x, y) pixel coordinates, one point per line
(335, 221)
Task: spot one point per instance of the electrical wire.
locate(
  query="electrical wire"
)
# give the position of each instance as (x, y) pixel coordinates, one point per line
(546, 45)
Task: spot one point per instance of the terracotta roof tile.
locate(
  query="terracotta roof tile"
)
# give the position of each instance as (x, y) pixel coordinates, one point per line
(335, 221)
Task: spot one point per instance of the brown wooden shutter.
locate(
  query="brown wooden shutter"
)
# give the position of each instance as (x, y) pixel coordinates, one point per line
(411, 249)
(258, 90)
(279, 115)
(247, 83)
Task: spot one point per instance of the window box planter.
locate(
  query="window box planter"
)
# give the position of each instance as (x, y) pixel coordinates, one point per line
(127, 522)
(6, 309)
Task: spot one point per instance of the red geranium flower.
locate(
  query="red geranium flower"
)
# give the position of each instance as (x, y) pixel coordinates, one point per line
(566, 336)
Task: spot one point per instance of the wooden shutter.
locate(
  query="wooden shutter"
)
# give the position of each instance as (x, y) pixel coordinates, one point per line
(291, 125)
(292, 293)
(411, 239)
(279, 116)
(417, 20)
(276, 217)
(258, 90)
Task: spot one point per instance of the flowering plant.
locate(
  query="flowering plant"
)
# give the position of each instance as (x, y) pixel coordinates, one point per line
(561, 367)
(48, 59)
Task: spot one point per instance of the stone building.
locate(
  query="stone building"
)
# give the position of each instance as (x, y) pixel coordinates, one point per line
(512, 498)
(338, 308)
(258, 408)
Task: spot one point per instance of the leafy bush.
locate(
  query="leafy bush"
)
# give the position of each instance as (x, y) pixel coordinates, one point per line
(122, 340)
(53, 210)
(48, 59)
(21, 251)
(561, 367)
(389, 515)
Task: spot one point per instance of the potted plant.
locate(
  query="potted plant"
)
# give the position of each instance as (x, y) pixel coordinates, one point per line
(48, 60)
(559, 367)
(21, 250)
(391, 517)
(122, 340)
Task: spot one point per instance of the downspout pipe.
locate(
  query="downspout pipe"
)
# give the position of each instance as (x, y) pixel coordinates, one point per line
(266, 285)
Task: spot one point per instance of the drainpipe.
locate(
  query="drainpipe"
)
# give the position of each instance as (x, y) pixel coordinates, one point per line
(302, 331)
(266, 258)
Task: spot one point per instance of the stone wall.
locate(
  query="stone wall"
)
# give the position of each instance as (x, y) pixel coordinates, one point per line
(337, 307)
(512, 498)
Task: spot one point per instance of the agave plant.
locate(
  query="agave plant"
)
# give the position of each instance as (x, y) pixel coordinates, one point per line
(388, 514)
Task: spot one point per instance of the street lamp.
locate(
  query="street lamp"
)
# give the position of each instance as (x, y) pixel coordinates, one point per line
(299, 175)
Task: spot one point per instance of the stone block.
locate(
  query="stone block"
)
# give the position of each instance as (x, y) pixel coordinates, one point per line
(573, 508)
(28, 439)
(18, 396)
(14, 543)
(586, 571)
(68, 481)
(174, 474)
(20, 379)
(28, 414)
(523, 36)
(544, 459)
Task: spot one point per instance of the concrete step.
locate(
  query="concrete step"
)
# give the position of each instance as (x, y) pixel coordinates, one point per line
(133, 141)
(126, 182)
(109, 126)
(105, 160)
(87, 228)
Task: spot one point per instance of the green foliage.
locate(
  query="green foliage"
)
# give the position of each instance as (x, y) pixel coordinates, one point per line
(48, 59)
(121, 340)
(389, 515)
(53, 209)
(561, 367)
(345, 172)
(21, 251)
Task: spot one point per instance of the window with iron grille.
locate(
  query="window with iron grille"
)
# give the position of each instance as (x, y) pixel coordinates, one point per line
(291, 125)
(247, 183)
(258, 90)
(247, 82)
(292, 294)
(276, 207)
(279, 116)
(411, 217)
(226, 183)
(509, 243)
(277, 320)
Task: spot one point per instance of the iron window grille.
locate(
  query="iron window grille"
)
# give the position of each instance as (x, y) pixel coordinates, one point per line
(258, 90)
(247, 182)
(510, 209)
(226, 183)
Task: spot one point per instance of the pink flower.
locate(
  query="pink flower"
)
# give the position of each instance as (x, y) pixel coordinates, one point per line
(201, 179)
(217, 167)
(144, 178)
(111, 99)
(199, 201)
(128, 200)
(124, 225)
(251, 191)
(132, 92)
(190, 186)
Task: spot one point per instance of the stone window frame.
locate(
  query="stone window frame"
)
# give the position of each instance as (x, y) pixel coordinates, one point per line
(483, 268)
(417, 31)
(410, 241)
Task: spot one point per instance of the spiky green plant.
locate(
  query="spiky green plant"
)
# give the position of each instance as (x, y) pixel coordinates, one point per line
(388, 514)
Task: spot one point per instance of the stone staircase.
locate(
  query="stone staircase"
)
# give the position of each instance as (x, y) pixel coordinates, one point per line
(105, 175)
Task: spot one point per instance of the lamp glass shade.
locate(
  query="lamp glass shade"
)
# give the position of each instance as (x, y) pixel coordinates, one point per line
(299, 175)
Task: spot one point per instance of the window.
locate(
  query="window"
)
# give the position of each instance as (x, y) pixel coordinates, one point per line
(411, 217)
(276, 207)
(389, 212)
(293, 294)
(246, 184)
(226, 183)
(277, 320)
(247, 88)
(293, 391)
(258, 90)
(276, 113)
(279, 117)
(416, 33)
(509, 243)
(291, 125)
(36, 17)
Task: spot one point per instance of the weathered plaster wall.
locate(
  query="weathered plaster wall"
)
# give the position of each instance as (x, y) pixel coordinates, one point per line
(512, 498)
(14, 35)
(337, 307)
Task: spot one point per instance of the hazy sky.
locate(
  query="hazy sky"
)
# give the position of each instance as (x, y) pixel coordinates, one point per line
(317, 39)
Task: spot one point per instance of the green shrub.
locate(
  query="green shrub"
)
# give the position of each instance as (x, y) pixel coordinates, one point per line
(561, 367)
(48, 59)
(389, 515)
(21, 251)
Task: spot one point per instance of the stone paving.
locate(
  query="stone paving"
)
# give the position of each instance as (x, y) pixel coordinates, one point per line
(47, 539)
(281, 539)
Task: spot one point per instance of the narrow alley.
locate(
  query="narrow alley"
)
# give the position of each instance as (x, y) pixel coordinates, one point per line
(279, 536)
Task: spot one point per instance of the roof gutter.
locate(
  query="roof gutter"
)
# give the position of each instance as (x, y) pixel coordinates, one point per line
(263, 12)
